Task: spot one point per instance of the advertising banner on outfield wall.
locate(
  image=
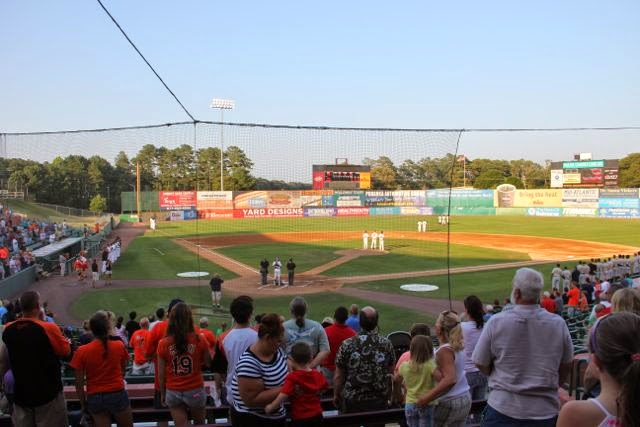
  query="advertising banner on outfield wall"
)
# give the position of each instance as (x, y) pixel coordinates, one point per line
(544, 212)
(215, 214)
(283, 199)
(619, 203)
(352, 211)
(619, 193)
(318, 212)
(250, 200)
(465, 210)
(579, 212)
(268, 213)
(177, 200)
(345, 198)
(310, 198)
(461, 198)
(580, 198)
(395, 198)
(214, 200)
(385, 210)
(619, 213)
(416, 210)
(186, 214)
(537, 198)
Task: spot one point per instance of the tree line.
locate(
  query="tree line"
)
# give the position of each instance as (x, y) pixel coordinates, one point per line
(76, 180)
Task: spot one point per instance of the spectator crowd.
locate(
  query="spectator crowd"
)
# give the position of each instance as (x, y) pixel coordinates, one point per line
(515, 358)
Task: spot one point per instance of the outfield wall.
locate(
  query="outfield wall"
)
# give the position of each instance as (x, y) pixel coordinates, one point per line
(573, 202)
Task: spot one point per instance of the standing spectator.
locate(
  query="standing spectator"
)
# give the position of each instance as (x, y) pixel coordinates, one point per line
(573, 298)
(452, 391)
(471, 331)
(559, 302)
(216, 290)
(181, 355)
(626, 299)
(511, 346)
(416, 329)
(301, 329)
(259, 376)
(33, 349)
(615, 349)
(364, 367)
(548, 303)
(302, 386)
(277, 267)
(101, 365)
(132, 325)
(291, 266)
(139, 337)
(418, 376)
(354, 318)
(208, 335)
(233, 343)
(151, 349)
(264, 270)
(336, 334)
(159, 318)
(588, 289)
(120, 330)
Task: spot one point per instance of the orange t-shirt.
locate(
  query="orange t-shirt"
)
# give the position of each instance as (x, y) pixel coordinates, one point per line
(104, 375)
(137, 343)
(183, 371)
(574, 297)
(211, 340)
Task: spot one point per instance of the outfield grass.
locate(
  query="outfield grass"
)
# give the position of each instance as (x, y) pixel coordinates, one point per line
(622, 231)
(487, 285)
(156, 257)
(146, 300)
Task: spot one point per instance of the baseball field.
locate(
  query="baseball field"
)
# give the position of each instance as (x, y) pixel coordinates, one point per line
(481, 254)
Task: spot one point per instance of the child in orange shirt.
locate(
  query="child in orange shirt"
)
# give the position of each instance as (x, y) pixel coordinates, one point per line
(181, 355)
(102, 363)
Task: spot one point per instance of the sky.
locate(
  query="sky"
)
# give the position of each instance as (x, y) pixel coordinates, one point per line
(410, 64)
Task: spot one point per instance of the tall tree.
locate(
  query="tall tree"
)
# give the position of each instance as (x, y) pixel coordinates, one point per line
(384, 174)
(239, 170)
(629, 169)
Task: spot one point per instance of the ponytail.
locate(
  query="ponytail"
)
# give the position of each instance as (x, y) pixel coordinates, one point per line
(473, 306)
(100, 328)
(455, 338)
(628, 407)
(449, 324)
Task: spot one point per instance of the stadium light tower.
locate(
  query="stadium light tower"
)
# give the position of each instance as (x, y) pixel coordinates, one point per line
(222, 104)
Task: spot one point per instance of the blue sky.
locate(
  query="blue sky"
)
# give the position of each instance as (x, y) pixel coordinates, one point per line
(465, 64)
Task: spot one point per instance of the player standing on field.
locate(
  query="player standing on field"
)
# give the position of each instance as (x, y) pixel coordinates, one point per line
(374, 240)
(291, 266)
(556, 277)
(365, 240)
(381, 240)
(277, 266)
(216, 290)
(264, 270)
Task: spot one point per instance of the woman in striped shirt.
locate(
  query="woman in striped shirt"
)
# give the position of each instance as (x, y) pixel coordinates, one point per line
(259, 376)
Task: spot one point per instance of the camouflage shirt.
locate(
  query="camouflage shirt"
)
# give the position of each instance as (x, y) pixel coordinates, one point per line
(366, 360)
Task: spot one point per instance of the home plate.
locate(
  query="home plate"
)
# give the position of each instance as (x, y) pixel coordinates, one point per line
(193, 274)
(418, 287)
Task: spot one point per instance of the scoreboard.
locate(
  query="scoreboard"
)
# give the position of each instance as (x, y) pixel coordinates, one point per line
(584, 174)
(341, 177)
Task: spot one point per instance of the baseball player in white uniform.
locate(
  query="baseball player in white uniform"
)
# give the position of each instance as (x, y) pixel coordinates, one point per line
(374, 240)
(277, 266)
(556, 277)
(381, 240)
(365, 240)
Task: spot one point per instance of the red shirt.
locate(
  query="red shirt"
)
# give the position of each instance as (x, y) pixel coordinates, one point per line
(574, 297)
(211, 340)
(549, 305)
(303, 389)
(336, 333)
(183, 371)
(137, 342)
(104, 374)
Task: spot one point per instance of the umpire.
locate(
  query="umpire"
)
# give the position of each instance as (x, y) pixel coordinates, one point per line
(264, 270)
(291, 266)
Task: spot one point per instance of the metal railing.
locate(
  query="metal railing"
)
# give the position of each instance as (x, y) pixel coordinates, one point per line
(66, 210)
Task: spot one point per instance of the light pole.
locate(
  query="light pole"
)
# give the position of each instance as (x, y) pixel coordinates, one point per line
(222, 104)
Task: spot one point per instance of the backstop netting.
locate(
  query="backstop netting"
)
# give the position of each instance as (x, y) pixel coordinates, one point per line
(307, 193)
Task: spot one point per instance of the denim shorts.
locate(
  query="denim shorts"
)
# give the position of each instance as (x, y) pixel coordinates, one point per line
(113, 402)
(196, 398)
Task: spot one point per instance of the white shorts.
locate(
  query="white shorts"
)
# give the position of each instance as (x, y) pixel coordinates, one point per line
(216, 295)
(95, 276)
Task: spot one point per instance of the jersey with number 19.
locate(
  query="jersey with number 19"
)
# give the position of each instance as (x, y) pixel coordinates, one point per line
(183, 371)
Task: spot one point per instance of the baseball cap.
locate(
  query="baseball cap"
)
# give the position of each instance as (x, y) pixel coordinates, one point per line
(174, 302)
(327, 320)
